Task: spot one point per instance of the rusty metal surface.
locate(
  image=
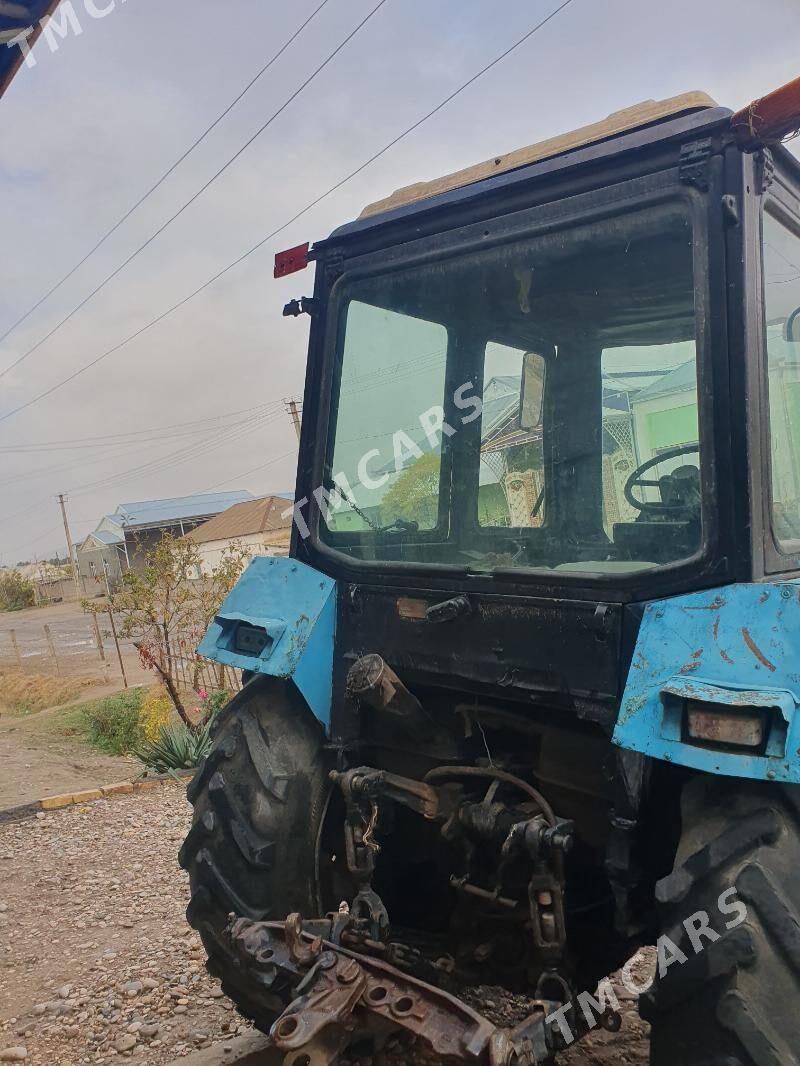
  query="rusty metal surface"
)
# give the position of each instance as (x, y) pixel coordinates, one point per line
(343, 991)
(373, 681)
(366, 783)
(769, 119)
(728, 648)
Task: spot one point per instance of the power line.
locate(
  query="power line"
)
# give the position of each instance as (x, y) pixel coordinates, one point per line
(245, 255)
(130, 437)
(183, 454)
(195, 144)
(221, 437)
(120, 478)
(247, 473)
(114, 273)
(25, 510)
(165, 461)
(120, 448)
(48, 533)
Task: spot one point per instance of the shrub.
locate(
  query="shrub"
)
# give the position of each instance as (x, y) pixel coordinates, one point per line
(163, 608)
(177, 748)
(15, 592)
(155, 713)
(114, 724)
(211, 703)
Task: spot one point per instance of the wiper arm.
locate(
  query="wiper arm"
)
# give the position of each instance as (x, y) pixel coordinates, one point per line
(400, 525)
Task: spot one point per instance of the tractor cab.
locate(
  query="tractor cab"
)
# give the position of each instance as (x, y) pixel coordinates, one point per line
(525, 696)
(556, 387)
(516, 381)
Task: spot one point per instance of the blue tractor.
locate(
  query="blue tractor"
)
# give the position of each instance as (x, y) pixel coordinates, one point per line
(524, 697)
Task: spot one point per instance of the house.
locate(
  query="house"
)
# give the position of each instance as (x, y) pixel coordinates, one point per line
(146, 522)
(665, 413)
(258, 526)
(101, 556)
(51, 583)
(123, 538)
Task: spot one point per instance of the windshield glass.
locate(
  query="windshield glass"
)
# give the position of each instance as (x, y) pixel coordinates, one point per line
(439, 453)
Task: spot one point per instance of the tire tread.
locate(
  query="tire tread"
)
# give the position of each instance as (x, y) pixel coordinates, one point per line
(738, 1000)
(251, 849)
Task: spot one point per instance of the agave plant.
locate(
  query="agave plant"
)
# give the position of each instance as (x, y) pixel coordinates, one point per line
(176, 748)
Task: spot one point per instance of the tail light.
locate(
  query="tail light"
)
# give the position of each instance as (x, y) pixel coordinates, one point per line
(718, 724)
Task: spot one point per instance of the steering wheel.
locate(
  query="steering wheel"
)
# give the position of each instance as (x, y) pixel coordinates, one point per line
(671, 486)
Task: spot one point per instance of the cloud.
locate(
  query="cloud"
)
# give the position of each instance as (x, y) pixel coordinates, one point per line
(93, 125)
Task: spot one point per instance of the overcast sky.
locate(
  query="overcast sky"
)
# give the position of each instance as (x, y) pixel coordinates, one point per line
(87, 131)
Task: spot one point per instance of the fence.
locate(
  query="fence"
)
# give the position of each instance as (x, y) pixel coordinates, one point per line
(195, 673)
(89, 646)
(77, 646)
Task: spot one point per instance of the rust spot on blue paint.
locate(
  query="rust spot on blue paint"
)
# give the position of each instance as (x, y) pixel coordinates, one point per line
(754, 648)
(716, 604)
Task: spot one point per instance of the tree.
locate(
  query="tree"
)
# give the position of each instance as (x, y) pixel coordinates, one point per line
(16, 592)
(169, 603)
(414, 497)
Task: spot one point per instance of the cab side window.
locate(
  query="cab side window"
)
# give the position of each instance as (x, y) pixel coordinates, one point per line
(782, 312)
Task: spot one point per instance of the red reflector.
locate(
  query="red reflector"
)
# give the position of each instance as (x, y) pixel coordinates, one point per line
(291, 260)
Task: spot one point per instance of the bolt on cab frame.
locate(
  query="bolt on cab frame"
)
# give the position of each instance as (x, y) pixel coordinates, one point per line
(536, 647)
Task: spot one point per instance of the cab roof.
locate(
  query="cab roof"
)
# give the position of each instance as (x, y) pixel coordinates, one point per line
(630, 118)
(635, 127)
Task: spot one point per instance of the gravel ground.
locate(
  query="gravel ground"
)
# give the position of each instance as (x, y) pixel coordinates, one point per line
(96, 960)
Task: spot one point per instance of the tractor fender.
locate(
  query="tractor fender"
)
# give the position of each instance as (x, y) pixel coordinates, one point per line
(280, 620)
(734, 647)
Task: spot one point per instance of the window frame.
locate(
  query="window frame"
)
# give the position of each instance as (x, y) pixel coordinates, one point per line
(634, 194)
(782, 204)
(480, 527)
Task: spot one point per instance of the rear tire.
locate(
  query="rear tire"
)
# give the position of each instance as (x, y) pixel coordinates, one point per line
(736, 1002)
(252, 850)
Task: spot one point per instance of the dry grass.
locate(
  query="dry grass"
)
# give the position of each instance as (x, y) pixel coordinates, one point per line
(24, 694)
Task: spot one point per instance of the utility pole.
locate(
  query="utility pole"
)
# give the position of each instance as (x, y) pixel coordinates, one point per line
(294, 414)
(70, 547)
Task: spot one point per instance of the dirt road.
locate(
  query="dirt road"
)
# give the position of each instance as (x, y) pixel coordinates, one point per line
(96, 960)
(36, 761)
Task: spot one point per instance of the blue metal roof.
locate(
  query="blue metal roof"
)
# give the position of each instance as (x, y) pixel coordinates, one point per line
(105, 537)
(17, 16)
(181, 508)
